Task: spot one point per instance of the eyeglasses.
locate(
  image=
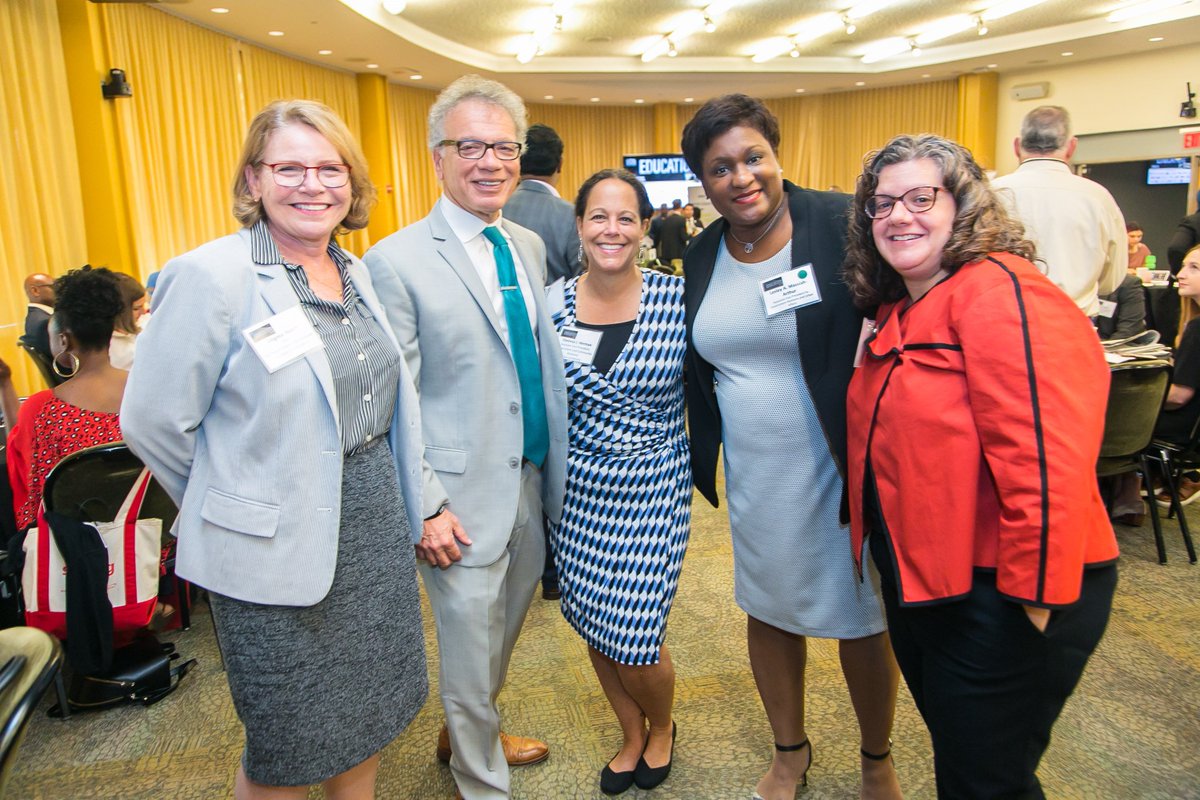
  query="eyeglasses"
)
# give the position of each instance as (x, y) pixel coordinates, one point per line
(918, 200)
(473, 149)
(289, 175)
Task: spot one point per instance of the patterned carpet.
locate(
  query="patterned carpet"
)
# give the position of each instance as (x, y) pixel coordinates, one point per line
(1131, 731)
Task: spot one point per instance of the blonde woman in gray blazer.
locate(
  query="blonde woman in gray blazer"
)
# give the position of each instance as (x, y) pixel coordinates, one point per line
(271, 400)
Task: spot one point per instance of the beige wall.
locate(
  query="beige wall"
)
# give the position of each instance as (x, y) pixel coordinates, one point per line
(1135, 92)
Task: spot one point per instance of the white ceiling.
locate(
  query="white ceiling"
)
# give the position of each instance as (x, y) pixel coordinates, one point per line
(596, 54)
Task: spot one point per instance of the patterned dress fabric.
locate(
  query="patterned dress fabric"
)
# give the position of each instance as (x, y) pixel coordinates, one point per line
(791, 568)
(47, 431)
(620, 545)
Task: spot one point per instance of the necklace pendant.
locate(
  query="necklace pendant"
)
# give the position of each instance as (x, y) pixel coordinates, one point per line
(749, 248)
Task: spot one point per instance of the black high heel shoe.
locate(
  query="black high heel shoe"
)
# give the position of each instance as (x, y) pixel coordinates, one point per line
(884, 756)
(793, 748)
(646, 776)
(612, 782)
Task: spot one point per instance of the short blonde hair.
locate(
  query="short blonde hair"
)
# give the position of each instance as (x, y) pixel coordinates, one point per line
(322, 119)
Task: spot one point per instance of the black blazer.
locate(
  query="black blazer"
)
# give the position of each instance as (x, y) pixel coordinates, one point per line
(828, 330)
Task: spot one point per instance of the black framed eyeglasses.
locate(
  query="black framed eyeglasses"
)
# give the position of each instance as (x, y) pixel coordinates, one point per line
(473, 149)
(918, 200)
(289, 175)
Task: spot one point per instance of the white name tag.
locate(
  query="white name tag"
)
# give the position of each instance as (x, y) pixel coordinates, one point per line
(579, 344)
(555, 299)
(1107, 308)
(789, 290)
(283, 339)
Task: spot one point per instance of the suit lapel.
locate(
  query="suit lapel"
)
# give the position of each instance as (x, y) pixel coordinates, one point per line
(277, 293)
(454, 254)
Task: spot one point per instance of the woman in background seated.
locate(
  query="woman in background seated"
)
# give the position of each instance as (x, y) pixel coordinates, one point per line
(81, 412)
(128, 323)
(1181, 410)
(974, 421)
(1137, 249)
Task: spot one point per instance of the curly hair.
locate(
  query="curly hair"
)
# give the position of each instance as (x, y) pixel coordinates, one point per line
(981, 223)
(88, 301)
(249, 210)
(644, 208)
(717, 117)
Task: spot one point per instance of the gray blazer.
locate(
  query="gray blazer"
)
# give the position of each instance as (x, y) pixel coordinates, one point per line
(552, 218)
(470, 396)
(253, 459)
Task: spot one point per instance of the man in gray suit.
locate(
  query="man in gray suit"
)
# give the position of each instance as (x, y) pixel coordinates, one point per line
(538, 206)
(462, 289)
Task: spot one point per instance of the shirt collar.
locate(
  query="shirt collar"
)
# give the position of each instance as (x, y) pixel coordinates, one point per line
(47, 309)
(263, 249)
(549, 187)
(1045, 163)
(466, 226)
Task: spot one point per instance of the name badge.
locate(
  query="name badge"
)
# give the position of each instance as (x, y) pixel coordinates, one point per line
(556, 300)
(1107, 308)
(283, 339)
(868, 327)
(789, 290)
(579, 344)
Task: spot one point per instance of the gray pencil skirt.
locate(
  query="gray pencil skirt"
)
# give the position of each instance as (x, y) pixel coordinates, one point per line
(322, 688)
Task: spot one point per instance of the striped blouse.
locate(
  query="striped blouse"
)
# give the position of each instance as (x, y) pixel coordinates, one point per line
(365, 366)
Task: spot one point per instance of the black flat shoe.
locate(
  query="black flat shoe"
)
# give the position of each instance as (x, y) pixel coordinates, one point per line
(615, 782)
(646, 776)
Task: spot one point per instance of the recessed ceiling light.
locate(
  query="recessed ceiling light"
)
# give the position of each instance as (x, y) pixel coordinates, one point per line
(992, 66)
(324, 52)
(548, 97)
(639, 100)
(416, 77)
(860, 83)
(595, 99)
(372, 66)
(800, 91)
(1068, 53)
(689, 99)
(1156, 38)
(394, 6)
(219, 10)
(926, 75)
(275, 33)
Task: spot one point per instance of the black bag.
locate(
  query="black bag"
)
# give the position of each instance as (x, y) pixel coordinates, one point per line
(141, 672)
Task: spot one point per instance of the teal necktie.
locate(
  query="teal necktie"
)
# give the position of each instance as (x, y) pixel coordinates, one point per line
(524, 352)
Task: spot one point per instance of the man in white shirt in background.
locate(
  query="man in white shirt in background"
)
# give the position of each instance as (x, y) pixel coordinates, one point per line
(1075, 224)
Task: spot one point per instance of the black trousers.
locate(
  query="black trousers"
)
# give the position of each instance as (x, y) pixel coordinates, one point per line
(988, 683)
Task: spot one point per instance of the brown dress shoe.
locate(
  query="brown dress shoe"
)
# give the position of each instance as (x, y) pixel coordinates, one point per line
(519, 751)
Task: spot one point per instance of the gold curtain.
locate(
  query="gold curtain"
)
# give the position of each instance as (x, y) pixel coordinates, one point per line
(180, 133)
(414, 185)
(269, 76)
(41, 204)
(594, 138)
(825, 137)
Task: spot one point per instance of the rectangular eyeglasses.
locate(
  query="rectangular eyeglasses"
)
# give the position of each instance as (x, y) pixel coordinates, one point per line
(918, 200)
(289, 175)
(473, 149)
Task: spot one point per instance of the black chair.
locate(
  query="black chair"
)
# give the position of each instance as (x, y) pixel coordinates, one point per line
(30, 661)
(41, 361)
(91, 484)
(1134, 400)
(1173, 460)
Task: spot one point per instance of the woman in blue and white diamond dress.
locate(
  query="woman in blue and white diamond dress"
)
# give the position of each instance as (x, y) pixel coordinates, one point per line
(619, 547)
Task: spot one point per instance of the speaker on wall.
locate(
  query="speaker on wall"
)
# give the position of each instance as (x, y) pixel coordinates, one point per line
(1030, 91)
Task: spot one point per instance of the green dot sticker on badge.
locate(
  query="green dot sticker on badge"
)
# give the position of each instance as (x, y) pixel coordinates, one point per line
(790, 290)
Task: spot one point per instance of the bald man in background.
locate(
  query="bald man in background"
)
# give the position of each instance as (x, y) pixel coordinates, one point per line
(39, 288)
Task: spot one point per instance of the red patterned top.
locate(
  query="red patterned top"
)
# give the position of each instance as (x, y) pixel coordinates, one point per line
(48, 430)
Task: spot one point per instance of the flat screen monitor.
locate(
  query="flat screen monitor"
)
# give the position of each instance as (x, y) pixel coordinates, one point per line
(1169, 171)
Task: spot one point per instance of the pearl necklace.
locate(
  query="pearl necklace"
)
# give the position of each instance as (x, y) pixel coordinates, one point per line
(749, 246)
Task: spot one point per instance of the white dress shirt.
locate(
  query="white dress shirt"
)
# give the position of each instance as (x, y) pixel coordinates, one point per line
(469, 230)
(1075, 224)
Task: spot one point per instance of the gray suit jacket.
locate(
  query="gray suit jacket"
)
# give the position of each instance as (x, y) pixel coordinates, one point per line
(470, 396)
(552, 218)
(253, 459)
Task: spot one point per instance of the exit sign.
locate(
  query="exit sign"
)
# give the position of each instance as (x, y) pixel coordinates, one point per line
(1191, 138)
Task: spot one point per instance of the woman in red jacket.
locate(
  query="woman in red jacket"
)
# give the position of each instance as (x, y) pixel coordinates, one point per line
(974, 423)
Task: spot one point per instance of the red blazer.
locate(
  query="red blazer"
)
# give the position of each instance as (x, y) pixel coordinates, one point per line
(981, 409)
